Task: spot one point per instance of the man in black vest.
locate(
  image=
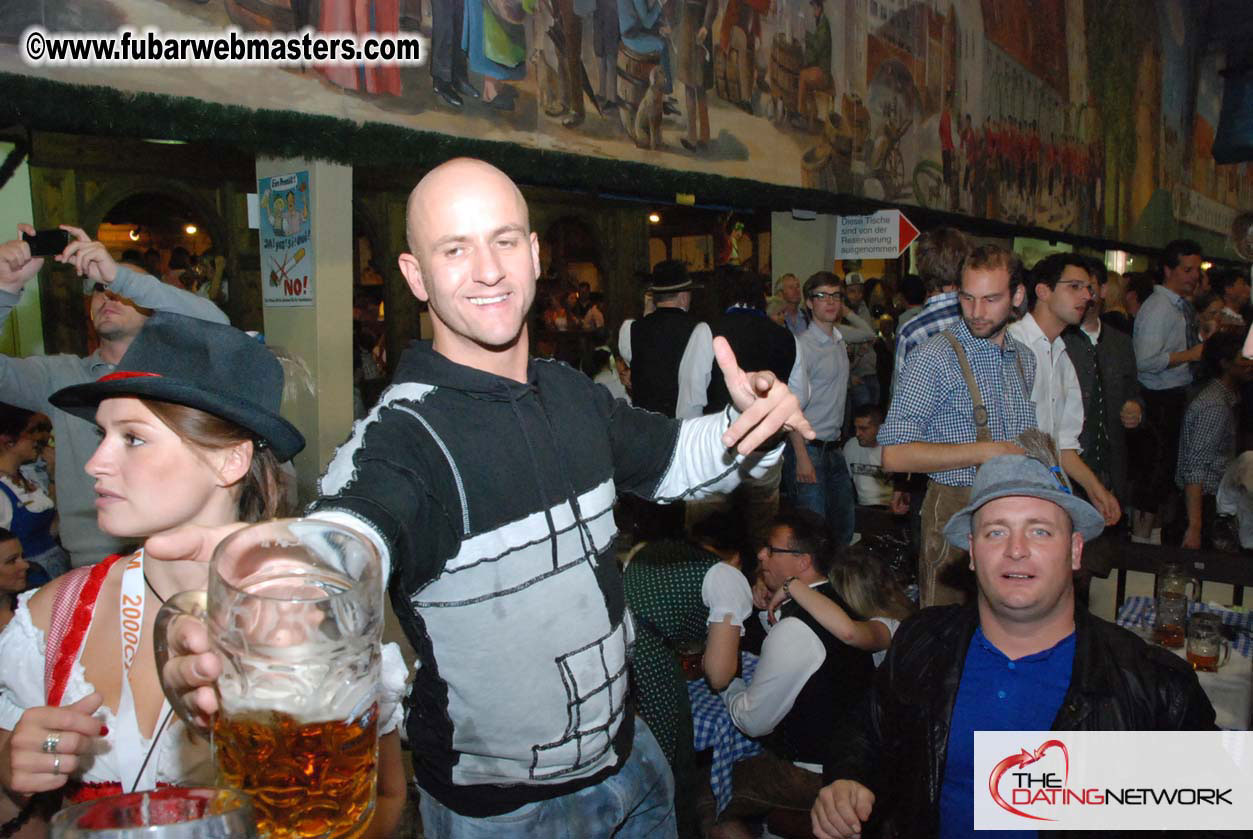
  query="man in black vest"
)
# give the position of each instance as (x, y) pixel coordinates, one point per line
(701, 390)
(807, 681)
(656, 345)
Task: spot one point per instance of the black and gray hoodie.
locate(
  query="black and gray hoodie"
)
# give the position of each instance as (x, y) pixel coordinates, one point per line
(492, 501)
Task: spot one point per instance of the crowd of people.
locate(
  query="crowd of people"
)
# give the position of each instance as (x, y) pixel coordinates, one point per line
(999, 415)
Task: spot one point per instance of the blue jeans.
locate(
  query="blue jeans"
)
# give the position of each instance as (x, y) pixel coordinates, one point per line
(831, 496)
(638, 801)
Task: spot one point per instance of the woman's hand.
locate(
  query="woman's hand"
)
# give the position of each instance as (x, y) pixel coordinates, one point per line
(26, 767)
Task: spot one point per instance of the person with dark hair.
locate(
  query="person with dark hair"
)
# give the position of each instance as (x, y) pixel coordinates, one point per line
(1233, 287)
(1167, 343)
(25, 508)
(763, 345)
(1021, 657)
(939, 256)
(1207, 442)
(964, 396)
(121, 299)
(190, 434)
(915, 294)
(1105, 364)
(13, 571)
(807, 680)
(133, 257)
(180, 261)
(1060, 293)
(684, 591)
(865, 458)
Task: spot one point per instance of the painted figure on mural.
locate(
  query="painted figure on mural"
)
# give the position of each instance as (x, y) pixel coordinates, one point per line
(568, 20)
(361, 17)
(740, 40)
(815, 74)
(449, 73)
(494, 41)
(605, 47)
(948, 150)
(644, 30)
(692, 59)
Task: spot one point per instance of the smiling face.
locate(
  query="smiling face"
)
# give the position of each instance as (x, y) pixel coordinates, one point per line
(474, 260)
(12, 567)
(790, 289)
(1024, 553)
(149, 480)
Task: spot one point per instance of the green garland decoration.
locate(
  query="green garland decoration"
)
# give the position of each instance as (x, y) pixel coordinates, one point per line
(42, 104)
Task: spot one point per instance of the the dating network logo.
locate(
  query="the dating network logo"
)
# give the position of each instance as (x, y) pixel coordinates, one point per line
(1024, 780)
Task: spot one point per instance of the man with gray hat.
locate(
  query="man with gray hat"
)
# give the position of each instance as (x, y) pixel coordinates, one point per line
(121, 301)
(1021, 658)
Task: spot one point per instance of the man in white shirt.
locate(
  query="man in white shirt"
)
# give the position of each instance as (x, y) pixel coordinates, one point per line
(807, 681)
(865, 458)
(1060, 295)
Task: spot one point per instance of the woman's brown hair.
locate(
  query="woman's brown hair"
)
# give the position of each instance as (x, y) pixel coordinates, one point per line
(261, 494)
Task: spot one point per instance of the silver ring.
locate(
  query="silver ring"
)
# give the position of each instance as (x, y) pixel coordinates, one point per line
(51, 742)
(56, 766)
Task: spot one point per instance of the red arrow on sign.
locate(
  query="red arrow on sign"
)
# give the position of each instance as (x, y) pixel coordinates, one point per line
(908, 232)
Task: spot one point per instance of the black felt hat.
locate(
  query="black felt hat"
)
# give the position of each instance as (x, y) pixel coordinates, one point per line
(210, 366)
(671, 275)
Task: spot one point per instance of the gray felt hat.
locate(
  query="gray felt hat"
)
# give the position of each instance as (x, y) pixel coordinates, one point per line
(1016, 474)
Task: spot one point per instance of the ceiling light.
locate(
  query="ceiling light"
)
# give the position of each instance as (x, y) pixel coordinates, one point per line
(654, 217)
(191, 229)
(134, 234)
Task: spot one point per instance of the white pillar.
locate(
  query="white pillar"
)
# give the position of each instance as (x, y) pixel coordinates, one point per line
(319, 332)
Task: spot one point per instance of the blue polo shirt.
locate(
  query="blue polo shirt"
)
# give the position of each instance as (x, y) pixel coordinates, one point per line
(997, 694)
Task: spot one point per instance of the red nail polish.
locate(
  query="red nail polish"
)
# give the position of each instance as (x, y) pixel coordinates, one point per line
(104, 731)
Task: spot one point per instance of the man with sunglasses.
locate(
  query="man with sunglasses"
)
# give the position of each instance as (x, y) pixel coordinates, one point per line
(122, 298)
(807, 681)
(815, 475)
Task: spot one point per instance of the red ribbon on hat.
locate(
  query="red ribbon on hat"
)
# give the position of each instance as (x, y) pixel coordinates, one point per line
(113, 377)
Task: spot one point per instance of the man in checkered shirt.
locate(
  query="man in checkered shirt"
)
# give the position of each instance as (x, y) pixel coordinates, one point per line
(1207, 442)
(939, 255)
(933, 425)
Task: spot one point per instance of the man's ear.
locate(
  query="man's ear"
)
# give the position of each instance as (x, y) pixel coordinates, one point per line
(412, 270)
(1076, 550)
(1019, 295)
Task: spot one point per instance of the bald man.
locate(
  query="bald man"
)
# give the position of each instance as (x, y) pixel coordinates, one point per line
(498, 534)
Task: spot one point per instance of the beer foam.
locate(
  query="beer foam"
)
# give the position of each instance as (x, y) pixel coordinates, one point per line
(310, 691)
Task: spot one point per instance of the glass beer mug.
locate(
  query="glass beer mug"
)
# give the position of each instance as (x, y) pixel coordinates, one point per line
(294, 609)
(1173, 597)
(168, 813)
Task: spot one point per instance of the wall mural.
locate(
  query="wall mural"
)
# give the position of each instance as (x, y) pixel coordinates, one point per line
(1088, 116)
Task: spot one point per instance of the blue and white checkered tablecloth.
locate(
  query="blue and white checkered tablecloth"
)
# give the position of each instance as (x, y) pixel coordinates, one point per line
(1141, 612)
(713, 729)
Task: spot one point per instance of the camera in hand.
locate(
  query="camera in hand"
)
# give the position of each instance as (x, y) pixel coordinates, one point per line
(47, 242)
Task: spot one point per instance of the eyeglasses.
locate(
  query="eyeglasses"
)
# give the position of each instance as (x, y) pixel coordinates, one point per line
(824, 295)
(771, 550)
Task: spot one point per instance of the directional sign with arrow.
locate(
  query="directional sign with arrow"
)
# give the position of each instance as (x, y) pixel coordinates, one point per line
(882, 235)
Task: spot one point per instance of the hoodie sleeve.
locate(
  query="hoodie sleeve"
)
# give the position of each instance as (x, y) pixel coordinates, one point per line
(667, 460)
(380, 483)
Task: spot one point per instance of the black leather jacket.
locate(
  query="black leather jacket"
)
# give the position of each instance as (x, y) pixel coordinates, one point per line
(897, 746)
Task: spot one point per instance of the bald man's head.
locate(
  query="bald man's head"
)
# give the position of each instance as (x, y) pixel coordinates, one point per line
(439, 185)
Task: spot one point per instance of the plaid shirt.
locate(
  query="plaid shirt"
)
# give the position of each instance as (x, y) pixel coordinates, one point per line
(932, 403)
(940, 313)
(1208, 440)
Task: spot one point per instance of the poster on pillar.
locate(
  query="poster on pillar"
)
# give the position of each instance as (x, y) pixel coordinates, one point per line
(286, 246)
